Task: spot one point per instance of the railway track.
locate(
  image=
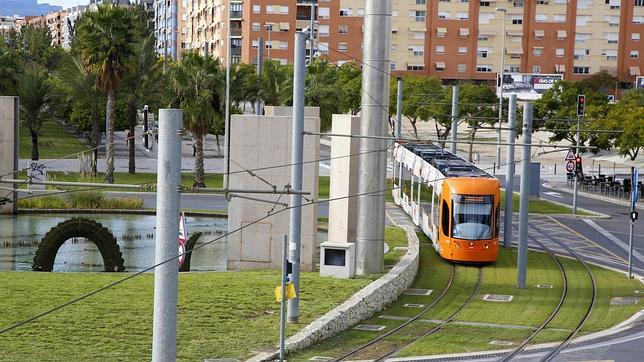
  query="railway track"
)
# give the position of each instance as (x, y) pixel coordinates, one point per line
(385, 351)
(554, 352)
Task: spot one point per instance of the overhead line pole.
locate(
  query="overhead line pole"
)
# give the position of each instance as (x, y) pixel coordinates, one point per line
(227, 107)
(509, 174)
(297, 156)
(260, 70)
(454, 129)
(522, 255)
(399, 107)
(373, 122)
(576, 186)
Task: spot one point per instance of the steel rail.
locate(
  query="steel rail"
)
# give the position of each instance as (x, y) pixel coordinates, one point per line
(444, 323)
(414, 318)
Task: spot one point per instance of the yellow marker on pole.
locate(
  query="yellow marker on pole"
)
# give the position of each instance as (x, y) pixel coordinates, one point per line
(290, 292)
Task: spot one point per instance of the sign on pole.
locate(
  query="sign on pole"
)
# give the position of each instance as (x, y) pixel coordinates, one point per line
(636, 192)
(182, 239)
(570, 156)
(570, 166)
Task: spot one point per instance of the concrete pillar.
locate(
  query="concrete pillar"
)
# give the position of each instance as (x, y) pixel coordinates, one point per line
(9, 120)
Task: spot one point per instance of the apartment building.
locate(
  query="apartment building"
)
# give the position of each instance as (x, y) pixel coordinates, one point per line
(165, 27)
(69, 24)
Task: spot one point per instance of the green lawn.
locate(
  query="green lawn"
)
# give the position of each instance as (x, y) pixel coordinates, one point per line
(53, 142)
(530, 307)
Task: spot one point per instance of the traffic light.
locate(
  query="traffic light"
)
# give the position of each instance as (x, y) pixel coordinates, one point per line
(578, 168)
(581, 105)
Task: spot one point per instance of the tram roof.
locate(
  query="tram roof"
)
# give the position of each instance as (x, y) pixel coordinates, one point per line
(449, 164)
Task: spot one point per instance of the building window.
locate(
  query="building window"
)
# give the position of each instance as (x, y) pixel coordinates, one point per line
(581, 54)
(462, 68)
(610, 54)
(323, 31)
(443, 14)
(323, 48)
(542, 2)
(342, 47)
(537, 51)
(635, 36)
(483, 37)
(256, 26)
(419, 35)
(517, 3)
(323, 13)
(559, 52)
(346, 11)
(541, 18)
(559, 18)
(536, 69)
(514, 69)
(517, 21)
(417, 50)
(484, 3)
(485, 68)
(392, 66)
(343, 29)
(611, 38)
(638, 19)
(283, 45)
(283, 9)
(583, 20)
(421, 2)
(360, 11)
(635, 54)
(482, 52)
(462, 50)
(440, 49)
(418, 15)
(639, 2)
(581, 70)
(415, 67)
(462, 16)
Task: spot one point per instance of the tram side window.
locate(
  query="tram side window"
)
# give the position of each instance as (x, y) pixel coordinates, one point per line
(497, 221)
(445, 218)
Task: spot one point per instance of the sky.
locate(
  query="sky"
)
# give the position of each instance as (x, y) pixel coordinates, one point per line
(64, 3)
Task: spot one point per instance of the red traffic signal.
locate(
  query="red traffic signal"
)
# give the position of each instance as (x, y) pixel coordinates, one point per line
(581, 105)
(578, 167)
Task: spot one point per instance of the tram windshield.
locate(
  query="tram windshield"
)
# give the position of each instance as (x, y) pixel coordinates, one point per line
(472, 218)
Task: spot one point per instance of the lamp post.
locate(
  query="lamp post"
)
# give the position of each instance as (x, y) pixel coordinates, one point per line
(269, 45)
(498, 146)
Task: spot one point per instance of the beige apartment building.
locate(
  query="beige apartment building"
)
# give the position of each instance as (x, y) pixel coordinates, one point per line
(449, 39)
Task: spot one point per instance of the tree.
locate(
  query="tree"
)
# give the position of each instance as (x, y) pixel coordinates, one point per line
(625, 116)
(196, 82)
(79, 88)
(244, 84)
(10, 70)
(34, 93)
(477, 108)
(350, 82)
(422, 100)
(321, 90)
(105, 40)
(274, 84)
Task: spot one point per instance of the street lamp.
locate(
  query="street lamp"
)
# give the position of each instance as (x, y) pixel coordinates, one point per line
(269, 45)
(498, 146)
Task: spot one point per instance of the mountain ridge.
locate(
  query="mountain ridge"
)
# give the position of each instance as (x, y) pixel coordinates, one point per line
(26, 8)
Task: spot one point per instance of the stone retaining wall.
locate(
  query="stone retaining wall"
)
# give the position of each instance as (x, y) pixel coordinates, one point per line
(369, 300)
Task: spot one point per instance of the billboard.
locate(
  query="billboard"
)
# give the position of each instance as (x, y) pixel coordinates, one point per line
(526, 86)
(639, 82)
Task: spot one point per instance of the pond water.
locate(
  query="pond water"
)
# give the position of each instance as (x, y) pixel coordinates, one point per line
(134, 234)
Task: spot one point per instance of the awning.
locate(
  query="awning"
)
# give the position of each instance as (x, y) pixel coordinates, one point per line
(441, 30)
(515, 33)
(417, 28)
(560, 68)
(284, 26)
(514, 50)
(562, 34)
(634, 70)
(539, 33)
(464, 31)
(440, 65)
(487, 32)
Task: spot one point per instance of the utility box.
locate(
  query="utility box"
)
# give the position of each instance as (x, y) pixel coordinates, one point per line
(535, 179)
(337, 259)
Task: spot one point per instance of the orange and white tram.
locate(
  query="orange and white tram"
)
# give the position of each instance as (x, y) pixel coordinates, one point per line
(455, 203)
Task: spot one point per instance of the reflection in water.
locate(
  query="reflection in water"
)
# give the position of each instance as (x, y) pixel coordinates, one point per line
(134, 234)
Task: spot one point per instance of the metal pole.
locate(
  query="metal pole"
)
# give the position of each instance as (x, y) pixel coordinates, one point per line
(576, 186)
(454, 129)
(227, 108)
(260, 70)
(283, 301)
(164, 335)
(311, 31)
(165, 37)
(522, 257)
(509, 174)
(498, 147)
(269, 45)
(399, 107)
(370, 226)
(145, 128)
(297, 151)
(632, 225)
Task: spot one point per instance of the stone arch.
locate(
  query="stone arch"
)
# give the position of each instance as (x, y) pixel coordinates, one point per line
(78, 227)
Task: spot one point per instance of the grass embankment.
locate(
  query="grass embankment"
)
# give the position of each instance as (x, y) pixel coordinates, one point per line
(529, 308)
(81, 200)
(220, 314)
(53, 142)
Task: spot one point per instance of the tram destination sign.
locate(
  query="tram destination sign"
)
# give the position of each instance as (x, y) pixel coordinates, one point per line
(527, 86)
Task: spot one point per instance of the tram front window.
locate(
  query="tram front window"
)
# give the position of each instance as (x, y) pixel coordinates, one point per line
(472, 218)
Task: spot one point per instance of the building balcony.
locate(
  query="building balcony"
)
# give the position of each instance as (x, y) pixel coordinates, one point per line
(235, 31)
(235, 15)
(235, 51)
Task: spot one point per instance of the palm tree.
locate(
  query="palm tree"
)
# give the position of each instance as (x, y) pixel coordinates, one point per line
(322, 90)
(197, 84)
(274, 83)
(9, 70)
(34, 93)
(79, 88)
(104, 39)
